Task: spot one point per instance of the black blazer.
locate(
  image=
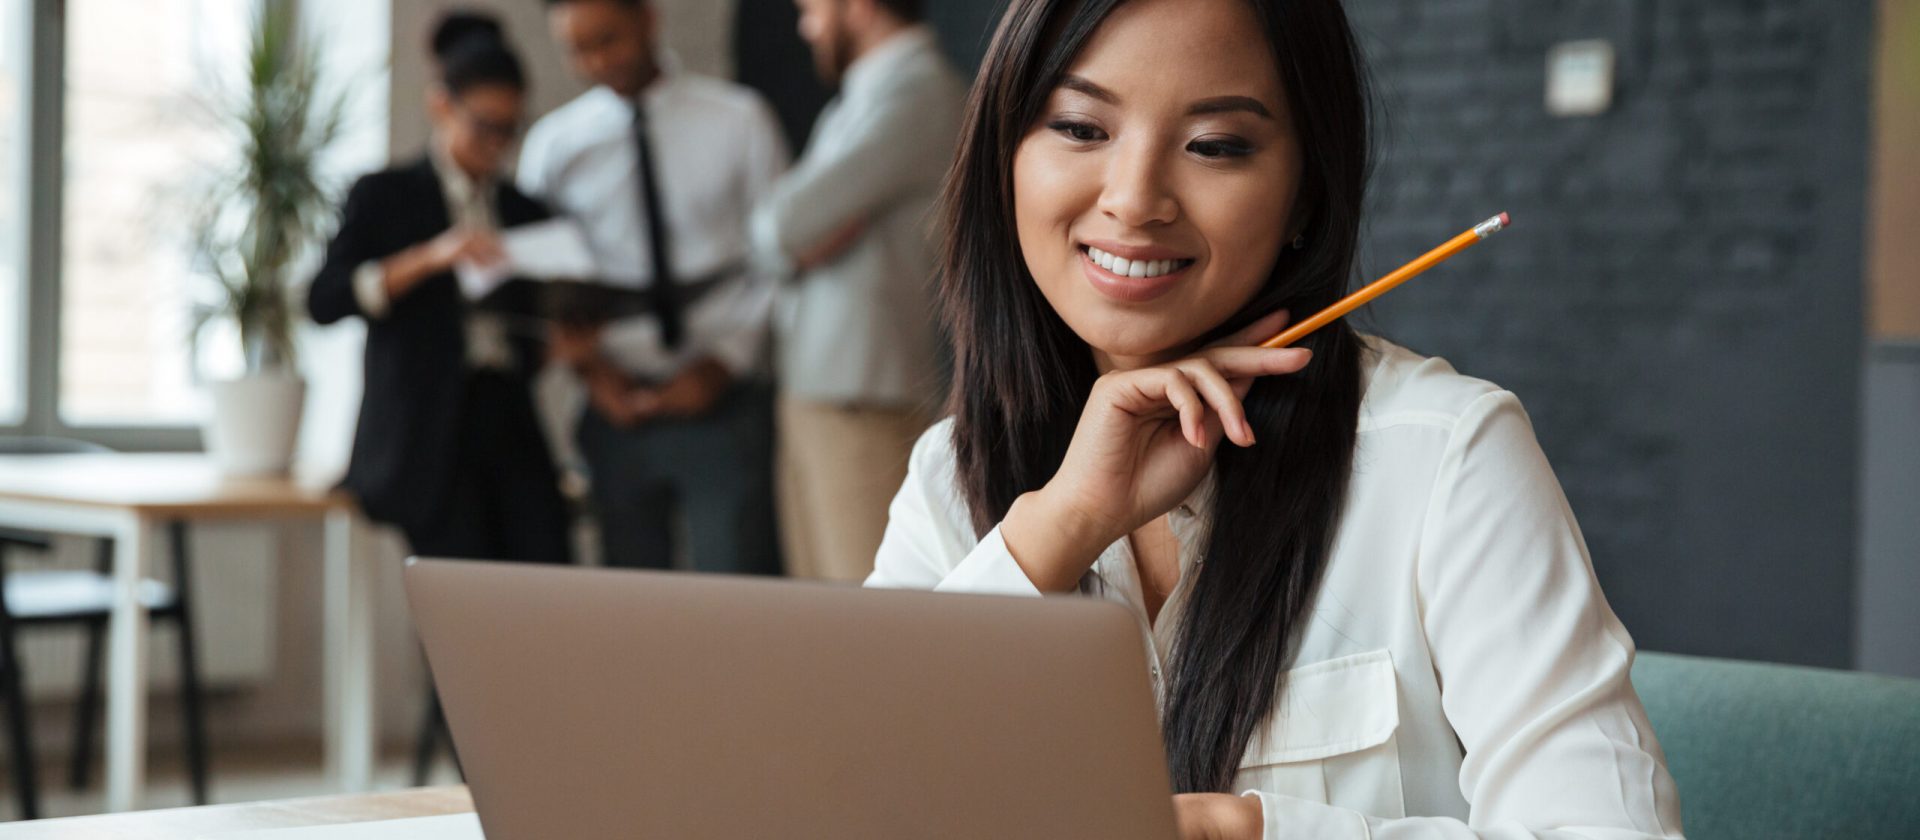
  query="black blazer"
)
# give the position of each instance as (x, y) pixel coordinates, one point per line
(410, 416)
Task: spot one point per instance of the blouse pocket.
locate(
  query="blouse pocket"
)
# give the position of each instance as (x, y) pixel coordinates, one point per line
(1330, 737)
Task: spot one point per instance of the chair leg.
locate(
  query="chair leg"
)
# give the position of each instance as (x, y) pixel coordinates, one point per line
(428, 742)
(19, 730)
(193, 716)
(86, 721)
(87, 718)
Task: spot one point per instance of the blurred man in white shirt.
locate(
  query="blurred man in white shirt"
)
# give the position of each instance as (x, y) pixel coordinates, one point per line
(849, 227)
(660, 168)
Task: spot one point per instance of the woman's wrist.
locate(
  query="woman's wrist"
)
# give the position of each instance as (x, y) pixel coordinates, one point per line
(1053, 543)
(404, 269)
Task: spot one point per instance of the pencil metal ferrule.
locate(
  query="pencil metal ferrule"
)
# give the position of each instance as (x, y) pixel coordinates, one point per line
(1490, 226)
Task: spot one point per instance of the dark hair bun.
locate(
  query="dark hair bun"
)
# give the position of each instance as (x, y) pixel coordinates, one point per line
(459, 26)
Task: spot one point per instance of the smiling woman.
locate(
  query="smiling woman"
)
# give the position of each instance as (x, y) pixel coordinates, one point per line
(1144, 190)
(1166, 131)
(1109, 185)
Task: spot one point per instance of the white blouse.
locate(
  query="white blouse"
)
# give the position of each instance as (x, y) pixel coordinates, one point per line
(1460, 675)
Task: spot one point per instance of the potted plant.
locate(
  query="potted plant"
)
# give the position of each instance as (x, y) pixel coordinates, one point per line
(252, 218)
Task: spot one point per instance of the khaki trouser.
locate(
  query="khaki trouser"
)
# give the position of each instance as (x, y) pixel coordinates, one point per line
(838, 470)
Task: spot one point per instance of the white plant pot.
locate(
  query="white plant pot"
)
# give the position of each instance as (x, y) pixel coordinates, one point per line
(255, 423)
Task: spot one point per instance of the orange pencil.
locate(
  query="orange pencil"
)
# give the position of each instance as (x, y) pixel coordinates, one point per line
(1386, 284)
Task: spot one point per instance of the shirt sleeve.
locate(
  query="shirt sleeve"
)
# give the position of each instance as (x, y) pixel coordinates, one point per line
(530, 174)
(739, 346)
(928, 544)
(738, 343)
(370, 289)
(1532, 664)
(335, 291)
(895, 146)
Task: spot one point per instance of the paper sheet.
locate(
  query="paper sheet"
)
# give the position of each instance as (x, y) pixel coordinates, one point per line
(549, 250)
(556, 248)
(478, 281)
(449, 827)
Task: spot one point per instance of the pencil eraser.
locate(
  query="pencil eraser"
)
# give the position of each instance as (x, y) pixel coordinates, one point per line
(1505, 220)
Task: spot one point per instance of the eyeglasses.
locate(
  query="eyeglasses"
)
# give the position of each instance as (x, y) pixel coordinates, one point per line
(502, 131)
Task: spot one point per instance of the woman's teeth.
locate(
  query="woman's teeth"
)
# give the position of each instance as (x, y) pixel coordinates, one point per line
(1134, 268)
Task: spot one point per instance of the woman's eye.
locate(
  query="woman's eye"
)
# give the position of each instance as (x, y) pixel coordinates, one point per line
(1078, 132)
(1220, 148)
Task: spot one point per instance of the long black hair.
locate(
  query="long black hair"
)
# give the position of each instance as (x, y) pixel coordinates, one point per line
(1021, 375)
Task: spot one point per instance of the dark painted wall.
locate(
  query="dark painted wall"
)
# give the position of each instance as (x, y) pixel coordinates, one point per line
(772, 58)
(1678, 305)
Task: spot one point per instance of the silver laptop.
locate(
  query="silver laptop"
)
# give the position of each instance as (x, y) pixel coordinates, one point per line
(589, 703)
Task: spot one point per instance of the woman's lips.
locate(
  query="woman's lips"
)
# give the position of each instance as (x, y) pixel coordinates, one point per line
(1130, 289)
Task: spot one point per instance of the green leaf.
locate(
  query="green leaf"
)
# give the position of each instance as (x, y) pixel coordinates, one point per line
(249, 220)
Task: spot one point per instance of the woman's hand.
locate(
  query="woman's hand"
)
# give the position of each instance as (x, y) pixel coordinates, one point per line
(1145, 439)
(1217, 816)
(457, 246)
(407, 269)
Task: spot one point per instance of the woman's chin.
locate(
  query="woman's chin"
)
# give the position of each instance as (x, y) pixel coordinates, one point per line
(1152, 345)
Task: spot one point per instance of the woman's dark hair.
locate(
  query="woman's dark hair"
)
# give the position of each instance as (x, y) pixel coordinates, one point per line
(1021, 375)
(472, 50)
(459, 25)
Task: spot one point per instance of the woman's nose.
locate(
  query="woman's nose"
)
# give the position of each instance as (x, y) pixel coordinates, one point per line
(1136, 192)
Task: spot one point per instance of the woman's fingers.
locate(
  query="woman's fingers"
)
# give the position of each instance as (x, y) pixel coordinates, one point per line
(1193, 410)
(1151, 393)
(1251, 362)
(1252, 334)
(1218, 393)
(1204, 391)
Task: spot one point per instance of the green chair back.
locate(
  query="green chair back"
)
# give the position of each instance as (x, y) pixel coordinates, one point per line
(1764, 751)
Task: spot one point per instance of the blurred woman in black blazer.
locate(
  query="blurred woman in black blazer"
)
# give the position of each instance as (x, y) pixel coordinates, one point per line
(448, 446)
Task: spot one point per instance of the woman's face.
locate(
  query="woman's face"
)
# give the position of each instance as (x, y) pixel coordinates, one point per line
(479, 126)
(1155, 191)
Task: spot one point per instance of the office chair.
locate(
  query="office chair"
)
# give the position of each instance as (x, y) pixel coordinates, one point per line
(85, 598)
(1762, 750)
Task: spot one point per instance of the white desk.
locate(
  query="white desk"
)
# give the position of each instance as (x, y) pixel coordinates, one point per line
(194, 823)
(131, 497)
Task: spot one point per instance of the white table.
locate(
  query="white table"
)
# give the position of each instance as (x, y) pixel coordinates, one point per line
(131, 498)
(194, 823)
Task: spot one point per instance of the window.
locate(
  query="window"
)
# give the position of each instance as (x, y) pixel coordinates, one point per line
(14, 41)
(137, 129)
(106, 133)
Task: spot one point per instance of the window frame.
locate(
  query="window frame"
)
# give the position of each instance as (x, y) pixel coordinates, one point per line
(45, 150)
(19, 162)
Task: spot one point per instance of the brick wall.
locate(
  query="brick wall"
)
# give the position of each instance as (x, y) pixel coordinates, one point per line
(1679, 302)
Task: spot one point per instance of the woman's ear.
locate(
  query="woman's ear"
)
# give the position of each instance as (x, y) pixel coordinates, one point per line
(439, 103)
(1297, 235)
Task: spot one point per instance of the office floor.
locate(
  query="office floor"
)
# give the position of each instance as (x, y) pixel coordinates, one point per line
(247, 774)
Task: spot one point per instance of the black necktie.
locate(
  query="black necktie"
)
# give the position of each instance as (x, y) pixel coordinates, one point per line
(666, 305)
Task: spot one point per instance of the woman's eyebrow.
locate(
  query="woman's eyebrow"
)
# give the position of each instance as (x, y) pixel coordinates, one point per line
(1210, 105)
(1082, 85)
(1226, 104)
